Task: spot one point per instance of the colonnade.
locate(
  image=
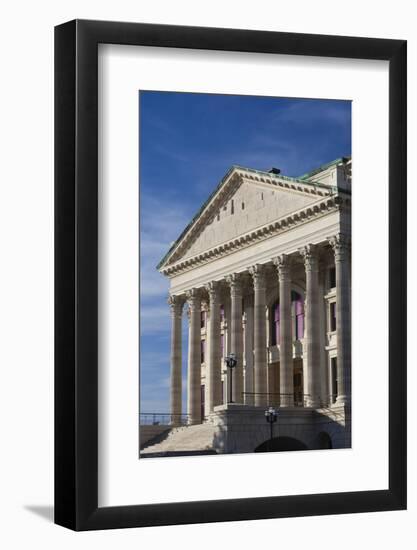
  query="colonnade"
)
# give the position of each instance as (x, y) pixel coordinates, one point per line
(236, 285)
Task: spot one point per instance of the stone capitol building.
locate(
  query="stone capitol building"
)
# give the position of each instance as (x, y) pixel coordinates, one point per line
(261, 272)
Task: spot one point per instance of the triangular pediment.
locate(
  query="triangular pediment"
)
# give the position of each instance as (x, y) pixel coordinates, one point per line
(244, 201)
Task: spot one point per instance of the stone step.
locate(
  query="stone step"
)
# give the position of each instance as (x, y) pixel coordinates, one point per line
(185, 438)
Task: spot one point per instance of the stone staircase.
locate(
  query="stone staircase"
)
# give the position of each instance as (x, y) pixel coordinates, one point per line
(197, 439)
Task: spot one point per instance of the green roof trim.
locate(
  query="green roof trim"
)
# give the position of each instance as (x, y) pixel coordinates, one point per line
(323, 167)
(205, 203)
(262, 173)
(281, 177)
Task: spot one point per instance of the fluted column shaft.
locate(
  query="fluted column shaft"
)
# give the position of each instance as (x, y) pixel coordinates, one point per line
(285, 328)
(312, 336)
(260, 356)
(340, 246)
(324, 384)
(248, 322)
(214, 351)
(194, 357)
(176, 303)
(236, 336)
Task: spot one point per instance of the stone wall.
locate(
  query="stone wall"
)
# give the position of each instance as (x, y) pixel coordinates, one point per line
(151, 431)
(241, 429)
(250, 207)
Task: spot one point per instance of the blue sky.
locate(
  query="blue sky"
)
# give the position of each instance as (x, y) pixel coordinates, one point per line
(187, 143)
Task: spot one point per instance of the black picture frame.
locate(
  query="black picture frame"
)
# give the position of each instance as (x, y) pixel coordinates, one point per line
(76, 272)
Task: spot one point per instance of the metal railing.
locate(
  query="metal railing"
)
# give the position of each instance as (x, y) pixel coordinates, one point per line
(248, 398)
(164, 419)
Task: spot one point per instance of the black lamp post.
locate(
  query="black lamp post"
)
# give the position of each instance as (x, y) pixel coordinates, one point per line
(231, 363)
(271, 416)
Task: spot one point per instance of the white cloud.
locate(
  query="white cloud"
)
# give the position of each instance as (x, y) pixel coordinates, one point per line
(154, 319)
(161, 224)
(301, 112)
(154, 361)
(164, 218)
(152, 283)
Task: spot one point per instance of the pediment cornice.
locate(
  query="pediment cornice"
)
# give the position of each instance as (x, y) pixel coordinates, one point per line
(227, 187)
(317, 209)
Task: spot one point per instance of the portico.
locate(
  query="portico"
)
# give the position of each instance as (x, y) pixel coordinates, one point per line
(263, 271)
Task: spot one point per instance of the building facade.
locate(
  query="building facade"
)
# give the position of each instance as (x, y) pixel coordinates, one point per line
(263, 272)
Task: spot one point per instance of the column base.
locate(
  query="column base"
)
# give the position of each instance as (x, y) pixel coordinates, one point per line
(342, 400)
(313, 404)
(286, 402)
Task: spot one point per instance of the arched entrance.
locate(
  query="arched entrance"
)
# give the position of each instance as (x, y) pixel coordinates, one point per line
(325, 441)
(281, 444)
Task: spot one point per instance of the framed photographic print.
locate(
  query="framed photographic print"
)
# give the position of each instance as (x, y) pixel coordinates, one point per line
(230, 275)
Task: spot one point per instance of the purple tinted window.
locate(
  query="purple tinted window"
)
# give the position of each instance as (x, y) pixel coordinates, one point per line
(276, 313)
(203, 319)
(299, 319)
(222, 313)
(222, 344)
(300, 326)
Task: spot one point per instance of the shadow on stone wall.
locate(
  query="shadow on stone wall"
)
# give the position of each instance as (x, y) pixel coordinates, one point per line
(278, 444)
(303, 429)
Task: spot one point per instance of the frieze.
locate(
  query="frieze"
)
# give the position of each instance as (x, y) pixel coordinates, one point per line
(295, 219)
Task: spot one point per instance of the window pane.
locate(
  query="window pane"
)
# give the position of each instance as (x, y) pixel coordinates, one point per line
(332, 277)
(203, 350)
(299, 326)
(333, 316)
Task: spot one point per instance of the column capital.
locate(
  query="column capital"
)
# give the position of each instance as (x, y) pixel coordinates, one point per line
(235, 283)
(194, 298)
(310, 255)
(283, 265)
(258, 275)
(213, 288)
(341, 246)
(176, 303)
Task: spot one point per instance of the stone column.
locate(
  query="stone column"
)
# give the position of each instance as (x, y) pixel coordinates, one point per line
(285, 327)
(248, 324)
(213, 375)
(341, 247)
(227, 338)
(194, 357)
(260, 366)
(312, 314)
(176, 303)
(236, 347)
(324, 360)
